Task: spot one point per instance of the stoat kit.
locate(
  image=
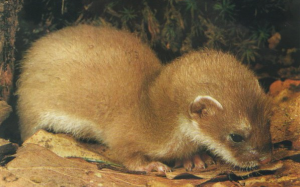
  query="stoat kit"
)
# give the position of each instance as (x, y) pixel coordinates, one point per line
(104, 84)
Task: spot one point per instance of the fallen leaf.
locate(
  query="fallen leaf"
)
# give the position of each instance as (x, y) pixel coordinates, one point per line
(7, 149)
(287, 176)
(3, 142)
(37, 165)
(278, 86)
(222, 184)
(221, 171)
(7, 179)
(65, 145)
(274, 40)
(286, 119)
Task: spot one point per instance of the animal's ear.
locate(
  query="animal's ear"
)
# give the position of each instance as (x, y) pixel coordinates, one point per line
(204, 106)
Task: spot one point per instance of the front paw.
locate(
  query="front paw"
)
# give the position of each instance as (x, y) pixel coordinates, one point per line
(146, 166)
(154, 166)
(195, 162)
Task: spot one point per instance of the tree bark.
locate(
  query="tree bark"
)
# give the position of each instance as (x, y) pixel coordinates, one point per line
(8, 26)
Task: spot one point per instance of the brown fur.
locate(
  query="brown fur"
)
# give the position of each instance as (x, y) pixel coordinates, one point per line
(221, 76)
(104, 84)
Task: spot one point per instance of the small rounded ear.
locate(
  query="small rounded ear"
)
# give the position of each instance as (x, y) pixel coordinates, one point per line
(204, 106)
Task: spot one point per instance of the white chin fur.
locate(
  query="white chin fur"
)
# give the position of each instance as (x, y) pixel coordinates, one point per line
(191, 130)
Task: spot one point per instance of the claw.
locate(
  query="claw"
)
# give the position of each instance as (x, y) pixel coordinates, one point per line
(188, 164)
(195, 162)
(198, 162)
(155, 166)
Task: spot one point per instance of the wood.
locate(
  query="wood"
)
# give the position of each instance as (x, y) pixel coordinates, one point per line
(9, 23)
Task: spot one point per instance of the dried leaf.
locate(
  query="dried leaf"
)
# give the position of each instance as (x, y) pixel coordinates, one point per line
(288, 175)
(3, 142)
(278, 86)
(286, 119)
(274, 40)
(8, 179)
(37, 165)
(221, 171)
(66, 146)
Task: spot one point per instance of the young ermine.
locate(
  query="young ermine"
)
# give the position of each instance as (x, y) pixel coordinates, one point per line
(104, 84)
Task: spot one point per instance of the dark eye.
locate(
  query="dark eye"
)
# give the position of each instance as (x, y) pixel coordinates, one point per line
(236, 138)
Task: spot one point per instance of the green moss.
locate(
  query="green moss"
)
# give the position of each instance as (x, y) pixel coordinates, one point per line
(172, 27)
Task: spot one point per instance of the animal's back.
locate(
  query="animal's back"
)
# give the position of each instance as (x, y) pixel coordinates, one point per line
(73, 79)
